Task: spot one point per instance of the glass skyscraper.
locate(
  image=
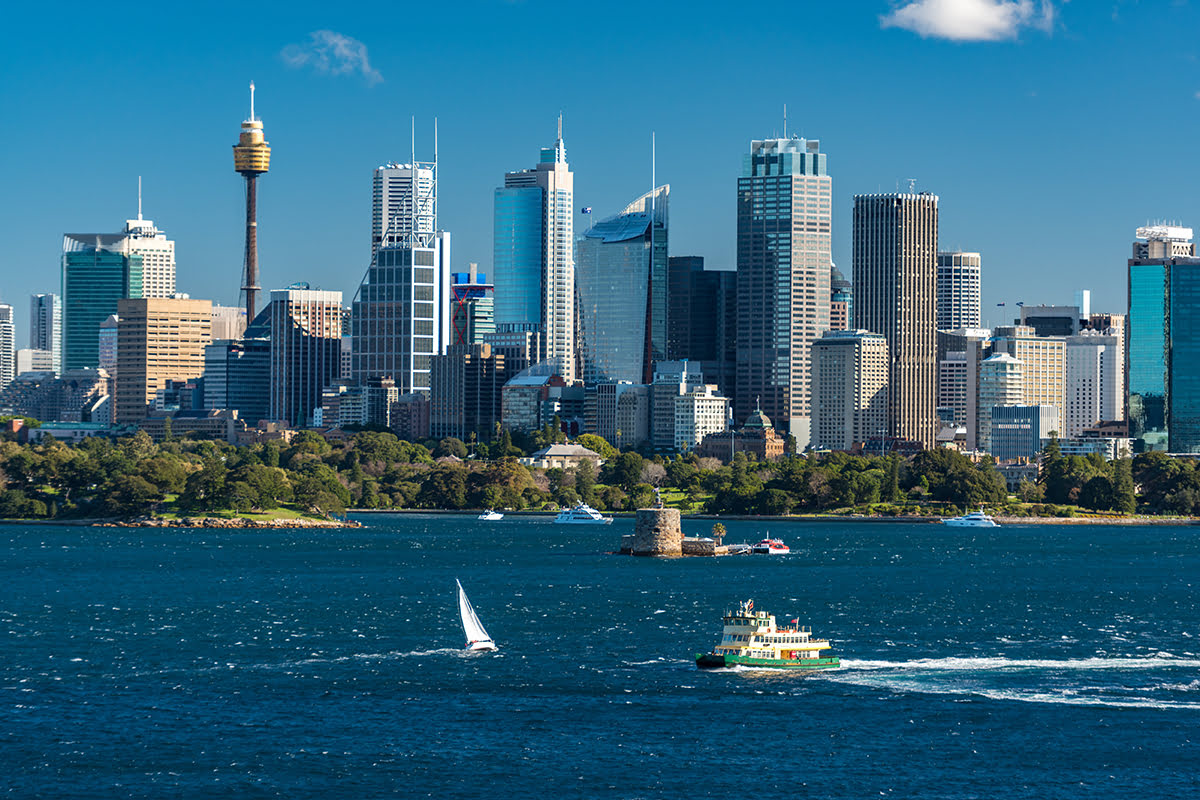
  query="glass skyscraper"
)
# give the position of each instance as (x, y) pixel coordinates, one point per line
(1164, 341)
(98, 269)
(533, 261)
(783, 273)
(621, 279)
(45, 327)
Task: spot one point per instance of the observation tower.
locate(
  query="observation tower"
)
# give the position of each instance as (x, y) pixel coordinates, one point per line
(251, 158)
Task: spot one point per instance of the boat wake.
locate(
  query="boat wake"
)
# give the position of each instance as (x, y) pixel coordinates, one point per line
(1115, 682)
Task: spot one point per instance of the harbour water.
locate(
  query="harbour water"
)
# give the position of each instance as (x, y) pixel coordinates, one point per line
(1022, 662)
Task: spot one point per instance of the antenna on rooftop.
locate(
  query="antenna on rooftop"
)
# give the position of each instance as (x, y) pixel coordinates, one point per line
(139, 198)
(912, 185)
(785, 120)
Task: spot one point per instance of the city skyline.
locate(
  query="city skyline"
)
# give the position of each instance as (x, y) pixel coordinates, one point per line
(1031, 103)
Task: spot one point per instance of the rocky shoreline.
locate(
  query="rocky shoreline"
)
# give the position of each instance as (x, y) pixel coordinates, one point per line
(222, 522)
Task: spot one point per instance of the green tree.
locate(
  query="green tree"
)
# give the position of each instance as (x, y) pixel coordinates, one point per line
(130, 496)
(585, 480)
(450, 446)
(1124, 498)
(598, 445)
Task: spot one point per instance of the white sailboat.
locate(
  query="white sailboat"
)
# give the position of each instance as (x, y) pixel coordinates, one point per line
(477, 637)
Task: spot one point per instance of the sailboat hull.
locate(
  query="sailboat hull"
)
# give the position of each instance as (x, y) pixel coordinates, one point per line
(481, 646)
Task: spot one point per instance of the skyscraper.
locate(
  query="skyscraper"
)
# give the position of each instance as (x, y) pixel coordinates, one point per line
(400, 315)
(783, 269)
(850, 372)
(158, 256)
(158, 340)
(533, 262)
(306, 332)
(621, 280)
(702, 318)
(8, 350)
(98, 270)
(895, 276)
(841, 299)
(1001, 383)
(959, 276)
(45, 326)
(472, 307)
(1094, 379)
(1164, 341)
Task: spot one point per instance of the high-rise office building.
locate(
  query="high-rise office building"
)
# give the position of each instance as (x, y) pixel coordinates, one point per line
(1094, 380)
(237, 373)
(228, 322)
(306, 332)
(29, 360)
(466, 392)
(895, 277)
(959, 278)
(1051, 320)
(400, 316)
(401, 313)
(1164, 341)
(45, 326)
(158, 256)
(702, 318)
(403, 202)
(1001, 383)
(8, 348)
(98, 271)
(158, 340)
(699, 413)
(841, 300)
(621, 282)
(533, 260)
(472, 307)
(1043, 362)
(850, 373)
(783, 269)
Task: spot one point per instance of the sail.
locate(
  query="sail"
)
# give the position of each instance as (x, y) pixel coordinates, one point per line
(472, 627)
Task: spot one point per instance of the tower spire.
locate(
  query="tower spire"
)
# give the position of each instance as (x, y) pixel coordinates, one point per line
(252, 101)
(139, 198)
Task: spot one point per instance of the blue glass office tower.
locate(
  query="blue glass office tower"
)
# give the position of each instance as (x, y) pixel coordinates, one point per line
(621, 279)
(533, 262)
(1163, 365)
(98, 269)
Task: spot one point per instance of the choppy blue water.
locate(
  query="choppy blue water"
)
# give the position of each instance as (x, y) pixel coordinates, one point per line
(1027, 662)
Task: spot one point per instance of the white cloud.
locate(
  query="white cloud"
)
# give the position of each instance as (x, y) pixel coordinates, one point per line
(333, 54)
(971, 20)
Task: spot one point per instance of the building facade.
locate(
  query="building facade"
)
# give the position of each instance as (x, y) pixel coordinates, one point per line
(959, 283)
(1164, 341)
(895, 269)
(305, 332)
(472, 307)
(1001, 383)
(533, 260)
(465, 400)
(841, 300)
(850, 373)
(158, 256)
(699, 412)
(1094, 381)
(1019, 432)
(621, 282)
(158, 340)
(8, 345)
(784, 211)
(98, 271)
(45, 326)
(702, 318)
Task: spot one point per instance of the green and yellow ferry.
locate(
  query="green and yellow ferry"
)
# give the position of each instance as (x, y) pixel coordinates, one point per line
(751, 640)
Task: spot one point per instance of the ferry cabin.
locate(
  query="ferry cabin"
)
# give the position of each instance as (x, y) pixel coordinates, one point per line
(754, 635)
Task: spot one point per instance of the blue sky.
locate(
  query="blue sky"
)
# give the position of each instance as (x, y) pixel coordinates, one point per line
(1050, 130)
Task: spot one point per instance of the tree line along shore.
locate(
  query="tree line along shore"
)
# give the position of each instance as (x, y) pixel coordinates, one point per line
(312, 478)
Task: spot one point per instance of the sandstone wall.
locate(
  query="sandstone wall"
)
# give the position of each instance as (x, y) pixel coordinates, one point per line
(657, 532)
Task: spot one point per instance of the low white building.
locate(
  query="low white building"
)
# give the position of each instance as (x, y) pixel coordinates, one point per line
(699, 412)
